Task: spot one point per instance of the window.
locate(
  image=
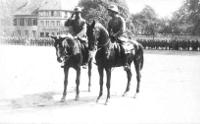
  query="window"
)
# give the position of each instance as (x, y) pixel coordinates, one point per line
(47, 13)
(26, 33)
(58, 13)
(15, 22)
(52, 24)
(21, 21)
(52, 33)
(42, 23)
(41, 13)
(67, 14)
(58, 23)
(25, 21)
(34, 21)
(18, 21)
(47, 34)
(47, 23)
(41, 34)
(34, 33)
(29, 21)
(19, 32)
(52, 13)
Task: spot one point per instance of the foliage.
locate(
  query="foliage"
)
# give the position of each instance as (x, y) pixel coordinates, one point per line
(193, 7)
(145, 22)
(7, 8)
(97, 9)
(5, 16)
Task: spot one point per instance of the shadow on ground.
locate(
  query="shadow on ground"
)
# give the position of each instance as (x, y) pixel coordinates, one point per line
(48, 99)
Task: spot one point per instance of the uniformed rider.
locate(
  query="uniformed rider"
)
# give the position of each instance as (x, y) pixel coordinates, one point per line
(116, 29)
(79, 27)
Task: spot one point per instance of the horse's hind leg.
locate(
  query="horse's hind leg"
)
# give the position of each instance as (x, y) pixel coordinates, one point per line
(138, 76)
(66, 70)
(89, 74)
(100, 69)
(129, 77)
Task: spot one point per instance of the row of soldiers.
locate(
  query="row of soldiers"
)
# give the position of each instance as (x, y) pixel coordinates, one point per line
(32, 41)
(175, 44)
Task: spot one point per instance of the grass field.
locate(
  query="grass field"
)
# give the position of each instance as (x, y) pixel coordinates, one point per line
(31, 86)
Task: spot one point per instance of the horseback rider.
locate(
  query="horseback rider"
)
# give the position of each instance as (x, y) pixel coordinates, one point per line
(79, 27)
(116, 29)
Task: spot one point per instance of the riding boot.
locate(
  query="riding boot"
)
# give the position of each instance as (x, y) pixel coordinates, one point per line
(85, 65)
(62, 64)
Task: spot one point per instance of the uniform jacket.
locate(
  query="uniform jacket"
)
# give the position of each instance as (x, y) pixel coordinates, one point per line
(117, 26)
(79, 26)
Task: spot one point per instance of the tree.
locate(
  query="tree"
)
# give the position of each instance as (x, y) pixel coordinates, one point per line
(97, 9)
(7, 9)
(146, 21)
(194, 15)
(6, 18)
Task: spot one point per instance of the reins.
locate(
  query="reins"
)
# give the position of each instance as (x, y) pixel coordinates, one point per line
(102, 45)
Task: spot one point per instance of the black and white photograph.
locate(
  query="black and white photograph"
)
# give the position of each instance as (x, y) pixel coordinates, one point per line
(99, 62)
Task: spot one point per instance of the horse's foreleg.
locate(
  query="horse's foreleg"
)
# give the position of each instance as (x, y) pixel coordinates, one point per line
(129, 77)
(108, 72)
(66, 70)
(78, 73)
(89, 74)
(100, 70)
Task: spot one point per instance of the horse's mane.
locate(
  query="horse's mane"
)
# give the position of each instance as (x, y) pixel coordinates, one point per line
(101, 29)
(74, 45)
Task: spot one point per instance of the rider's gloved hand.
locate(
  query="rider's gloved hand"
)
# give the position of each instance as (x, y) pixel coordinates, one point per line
(75, 37)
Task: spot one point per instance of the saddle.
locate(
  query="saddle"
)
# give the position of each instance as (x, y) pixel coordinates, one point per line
(126, 45)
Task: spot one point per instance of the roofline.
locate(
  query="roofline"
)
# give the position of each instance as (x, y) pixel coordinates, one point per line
(25, 15)
(54, 10)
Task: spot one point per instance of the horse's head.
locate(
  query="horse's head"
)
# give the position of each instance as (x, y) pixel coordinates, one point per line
(97, 35)
(62, 47)
(93, 35)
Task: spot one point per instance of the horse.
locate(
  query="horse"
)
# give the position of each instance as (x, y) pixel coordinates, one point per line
(107, 56)
(75, 53)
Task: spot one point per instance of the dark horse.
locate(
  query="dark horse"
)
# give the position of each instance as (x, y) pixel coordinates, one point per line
(75, 54)
(107, 56)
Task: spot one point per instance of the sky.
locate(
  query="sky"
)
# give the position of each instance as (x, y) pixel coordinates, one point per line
(164, 8)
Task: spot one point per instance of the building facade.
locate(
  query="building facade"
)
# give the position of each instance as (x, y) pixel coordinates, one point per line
(41, 18)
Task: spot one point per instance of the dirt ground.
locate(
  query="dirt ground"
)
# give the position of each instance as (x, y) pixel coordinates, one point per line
(31, 86)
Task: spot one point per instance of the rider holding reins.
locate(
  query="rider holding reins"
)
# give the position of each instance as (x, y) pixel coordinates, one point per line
(116, 29)
(79, 26)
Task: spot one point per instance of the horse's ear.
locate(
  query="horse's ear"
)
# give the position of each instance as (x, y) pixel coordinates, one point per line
(87, 23)
(62, 36)
(53, 37)
(93, 24)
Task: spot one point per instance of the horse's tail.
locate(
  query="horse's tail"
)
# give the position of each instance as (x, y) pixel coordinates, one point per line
(140, 56)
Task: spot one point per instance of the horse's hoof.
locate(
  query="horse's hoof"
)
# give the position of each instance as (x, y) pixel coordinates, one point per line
(62, 100)
(77, 98)
(89, 90)
(135, 96)
(123, 95)
(106, 103)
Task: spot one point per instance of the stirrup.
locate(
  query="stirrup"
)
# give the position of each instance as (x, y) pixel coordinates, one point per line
(84, 66)
(95, 63)
(126, 68)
